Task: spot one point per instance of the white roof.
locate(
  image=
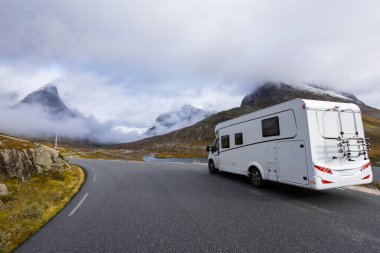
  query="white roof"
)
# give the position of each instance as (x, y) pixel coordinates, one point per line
(310, 104)
(328, 105)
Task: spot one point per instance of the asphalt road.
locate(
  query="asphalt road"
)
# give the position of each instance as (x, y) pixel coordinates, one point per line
(147, 207)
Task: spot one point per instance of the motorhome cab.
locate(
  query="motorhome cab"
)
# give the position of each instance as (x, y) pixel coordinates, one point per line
(307, 143)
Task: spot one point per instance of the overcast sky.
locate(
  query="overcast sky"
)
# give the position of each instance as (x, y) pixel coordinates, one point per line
(129, 61)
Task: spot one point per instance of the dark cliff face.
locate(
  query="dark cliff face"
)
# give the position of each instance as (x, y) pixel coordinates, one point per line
(48, 98)
(271, 93)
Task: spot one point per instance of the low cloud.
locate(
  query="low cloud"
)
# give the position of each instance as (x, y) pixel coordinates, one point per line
(35, 122)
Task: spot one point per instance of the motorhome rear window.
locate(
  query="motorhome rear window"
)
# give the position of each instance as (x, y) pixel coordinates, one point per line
(239, 139)
(270, 127)
(225, 141)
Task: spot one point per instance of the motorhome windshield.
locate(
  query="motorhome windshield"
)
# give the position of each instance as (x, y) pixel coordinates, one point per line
(216, 144)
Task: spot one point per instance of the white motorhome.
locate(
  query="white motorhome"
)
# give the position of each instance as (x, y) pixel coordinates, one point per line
(307, 143)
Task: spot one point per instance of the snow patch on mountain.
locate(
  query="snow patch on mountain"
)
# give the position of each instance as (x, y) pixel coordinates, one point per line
(324, 91)
(174, 120)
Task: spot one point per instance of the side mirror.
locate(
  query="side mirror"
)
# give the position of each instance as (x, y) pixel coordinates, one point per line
(208, 148)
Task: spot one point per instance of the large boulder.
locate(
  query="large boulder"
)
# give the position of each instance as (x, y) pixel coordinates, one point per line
(45, 157)
(26, 162)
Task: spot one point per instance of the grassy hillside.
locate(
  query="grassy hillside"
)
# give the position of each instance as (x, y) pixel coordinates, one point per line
(371, 121)
(9, 142)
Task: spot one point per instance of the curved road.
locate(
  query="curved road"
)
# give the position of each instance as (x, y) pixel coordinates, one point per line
(157, 207)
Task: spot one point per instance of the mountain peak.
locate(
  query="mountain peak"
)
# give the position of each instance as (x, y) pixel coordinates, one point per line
(271, 93)
(48, 98)
(50, 88)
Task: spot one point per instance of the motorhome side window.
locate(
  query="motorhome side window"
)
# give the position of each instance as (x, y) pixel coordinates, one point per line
(270, 127)
(225, 141)
(239, 139)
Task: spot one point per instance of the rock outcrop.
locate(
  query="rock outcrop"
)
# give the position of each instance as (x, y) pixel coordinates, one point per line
(3, 190)
(23, 163)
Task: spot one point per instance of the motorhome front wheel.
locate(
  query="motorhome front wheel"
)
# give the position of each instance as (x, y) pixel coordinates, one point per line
(255, 178)
(211, 167)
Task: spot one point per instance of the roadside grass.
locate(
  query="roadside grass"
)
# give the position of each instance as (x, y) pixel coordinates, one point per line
(104, 153)
(164, 156)
(34, 202)
(372, 130)
(177, 154)
(191, 150)
(373, 185)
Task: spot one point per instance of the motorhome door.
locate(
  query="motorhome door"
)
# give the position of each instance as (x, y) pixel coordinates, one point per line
(292, 162)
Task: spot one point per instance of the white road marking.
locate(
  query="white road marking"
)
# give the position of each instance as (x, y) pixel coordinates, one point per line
(79, 204)
(94, 178)
(341, 189)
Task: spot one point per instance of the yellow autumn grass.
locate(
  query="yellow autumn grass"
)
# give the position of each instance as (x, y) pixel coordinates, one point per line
(33, 202)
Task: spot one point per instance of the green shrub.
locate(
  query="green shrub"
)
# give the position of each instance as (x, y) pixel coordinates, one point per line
(33, 211)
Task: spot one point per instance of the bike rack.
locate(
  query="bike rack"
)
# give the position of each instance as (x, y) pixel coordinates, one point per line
(345, 144)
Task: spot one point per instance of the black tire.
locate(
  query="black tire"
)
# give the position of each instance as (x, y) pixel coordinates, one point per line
(211, 167)
(255, 177)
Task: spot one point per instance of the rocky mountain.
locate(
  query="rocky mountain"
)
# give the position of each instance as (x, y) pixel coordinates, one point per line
(268, 94)
(186, 116)
(48, 98)
(273, 93)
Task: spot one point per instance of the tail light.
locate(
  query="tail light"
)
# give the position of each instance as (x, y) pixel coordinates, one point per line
(366, 166)
(325, 170)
